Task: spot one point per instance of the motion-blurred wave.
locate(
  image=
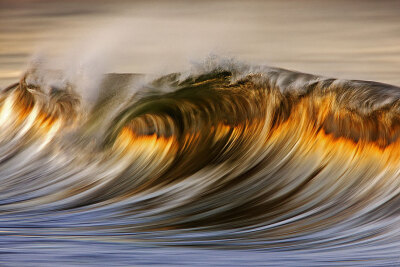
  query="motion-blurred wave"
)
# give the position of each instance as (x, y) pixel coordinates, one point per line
(225, 157)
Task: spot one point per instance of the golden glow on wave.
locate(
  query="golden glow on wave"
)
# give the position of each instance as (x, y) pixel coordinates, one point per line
(299, 128)
(129, 142)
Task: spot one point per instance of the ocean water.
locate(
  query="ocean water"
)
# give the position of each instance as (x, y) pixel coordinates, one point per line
(205, 149)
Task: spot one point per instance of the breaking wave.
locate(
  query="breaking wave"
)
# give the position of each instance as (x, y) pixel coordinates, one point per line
(224, 157)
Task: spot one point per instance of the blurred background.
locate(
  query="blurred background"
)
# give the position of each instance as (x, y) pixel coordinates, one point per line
(344, 39)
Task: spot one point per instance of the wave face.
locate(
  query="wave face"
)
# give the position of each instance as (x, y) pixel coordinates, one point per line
(286, 165)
